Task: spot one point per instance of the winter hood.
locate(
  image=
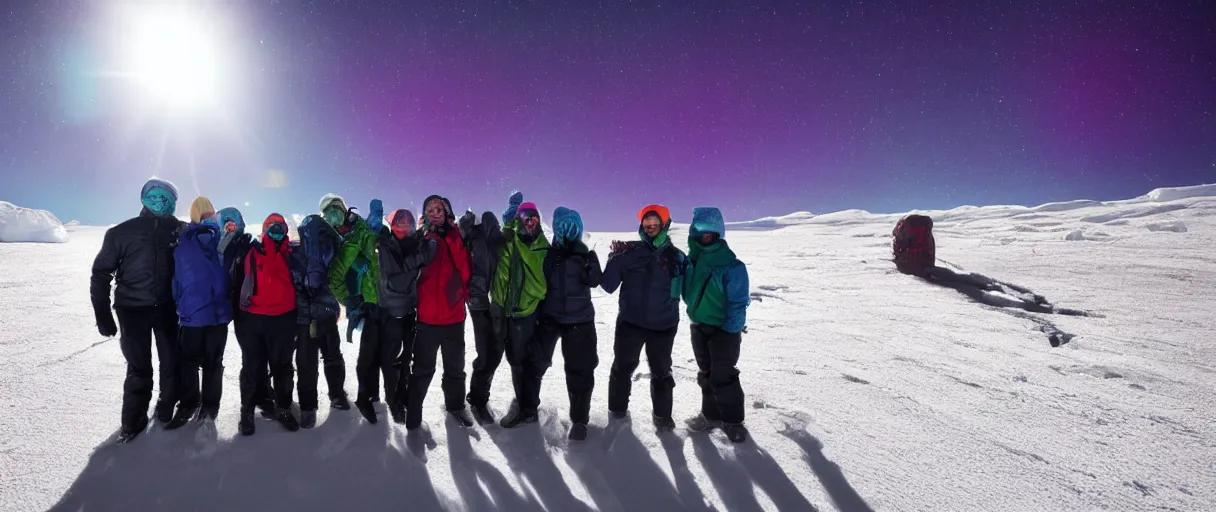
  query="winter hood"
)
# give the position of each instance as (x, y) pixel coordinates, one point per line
(331, 199)
(159, 196)
(232, 214)
(200, 209)
(447, 206)
(706, 219)
(567, 226)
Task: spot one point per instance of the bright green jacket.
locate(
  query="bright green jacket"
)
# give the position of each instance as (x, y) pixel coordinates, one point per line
(359, 248)
(519, 279)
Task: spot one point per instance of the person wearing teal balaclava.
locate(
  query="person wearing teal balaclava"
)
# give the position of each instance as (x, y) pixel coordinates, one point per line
(141, 250)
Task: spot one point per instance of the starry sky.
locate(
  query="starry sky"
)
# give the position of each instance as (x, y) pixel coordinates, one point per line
(761, 108)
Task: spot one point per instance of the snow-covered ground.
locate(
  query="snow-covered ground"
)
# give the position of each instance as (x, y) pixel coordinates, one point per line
(866, 389)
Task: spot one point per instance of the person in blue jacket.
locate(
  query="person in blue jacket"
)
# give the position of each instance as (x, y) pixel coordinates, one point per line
(648, 272)
(204, 308)
(234, 246)
(317, 318)
(716, 292)
(571, 271)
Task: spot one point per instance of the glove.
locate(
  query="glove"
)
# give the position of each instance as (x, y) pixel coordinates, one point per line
(618, 247)
(105, 322)
(466, 222)
(375, 216)
(516, 199)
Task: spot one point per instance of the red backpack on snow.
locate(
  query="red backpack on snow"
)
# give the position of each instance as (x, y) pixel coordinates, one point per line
(913, 245)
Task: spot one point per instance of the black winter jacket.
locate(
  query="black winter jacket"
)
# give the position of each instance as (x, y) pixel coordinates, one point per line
(400, 262)
(649, 299)
(571, 272)
(310, 260)
(483, 242)
(234, 262)
(138, 256)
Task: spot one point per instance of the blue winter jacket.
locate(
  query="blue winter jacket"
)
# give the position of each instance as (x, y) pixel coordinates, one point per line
(650, 280)
(200, 281)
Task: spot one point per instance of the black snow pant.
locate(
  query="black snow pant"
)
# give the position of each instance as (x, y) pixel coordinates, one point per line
(426, 350)
(327, 345)
(717, 353)
(137, 327)
(263, 393)
(627, 351)
(579, 352)
(400, 333)
(490, 350)
(379, 354)
(266, 341)
(528, 358)
(202, 348)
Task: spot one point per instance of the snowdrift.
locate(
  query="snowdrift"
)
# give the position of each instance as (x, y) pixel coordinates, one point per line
(19, 224)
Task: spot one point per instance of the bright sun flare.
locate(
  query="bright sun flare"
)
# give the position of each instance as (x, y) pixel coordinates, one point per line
(174, 59)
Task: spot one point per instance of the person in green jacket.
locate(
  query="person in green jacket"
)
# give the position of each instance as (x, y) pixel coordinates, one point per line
(517, 290)
(357, 266)
(716, 292)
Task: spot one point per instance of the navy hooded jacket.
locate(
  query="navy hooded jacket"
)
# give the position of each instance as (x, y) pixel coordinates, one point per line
(200, 282)
(650, 281)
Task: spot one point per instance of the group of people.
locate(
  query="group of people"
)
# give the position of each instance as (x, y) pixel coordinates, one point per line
(410, 285)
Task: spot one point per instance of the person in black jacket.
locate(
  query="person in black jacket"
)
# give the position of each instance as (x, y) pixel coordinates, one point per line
(234, 245)
(401, 253)
(571, 271)
(138, 253)
(317, 318)
(649, 274)
(484, 241)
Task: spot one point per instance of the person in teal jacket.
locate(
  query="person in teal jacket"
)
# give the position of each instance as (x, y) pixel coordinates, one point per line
(716, 293)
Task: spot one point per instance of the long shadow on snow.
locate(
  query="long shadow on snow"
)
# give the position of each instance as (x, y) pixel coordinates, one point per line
(527, 454)
(1005, 296)
(736, 479)
(829, 474)
(472, 472)
(340, 462)
(620, 474)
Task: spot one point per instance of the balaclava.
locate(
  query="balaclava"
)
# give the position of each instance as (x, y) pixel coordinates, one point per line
(159, 197)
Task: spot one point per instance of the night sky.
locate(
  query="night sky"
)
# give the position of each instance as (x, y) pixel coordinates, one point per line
(608, 106)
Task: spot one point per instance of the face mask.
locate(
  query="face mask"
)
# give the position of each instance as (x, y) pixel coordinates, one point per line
(230, 226)
(277, 231)
(530, 221)
(334, 216)
(160, 202)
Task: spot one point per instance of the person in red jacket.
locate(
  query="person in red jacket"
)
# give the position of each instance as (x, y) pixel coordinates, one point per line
(267, 334)
(443, 287)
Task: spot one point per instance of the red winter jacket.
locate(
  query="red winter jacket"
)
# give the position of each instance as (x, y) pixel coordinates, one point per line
(444, 283)
(268, 288)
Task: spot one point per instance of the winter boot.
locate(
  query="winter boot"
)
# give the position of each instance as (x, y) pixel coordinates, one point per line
(164, 411)
(664, 424)
(463, 416)
(128, 433)
(515, 417)
(736, 432)
(340, 403)
(482, 414)
(578, 432)
(366, 409)
(285, 418)
(267, 408)
(246, 426)
(183, 416)
(702, 424)
(308, 419)
(397, 411)
(208, 412)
